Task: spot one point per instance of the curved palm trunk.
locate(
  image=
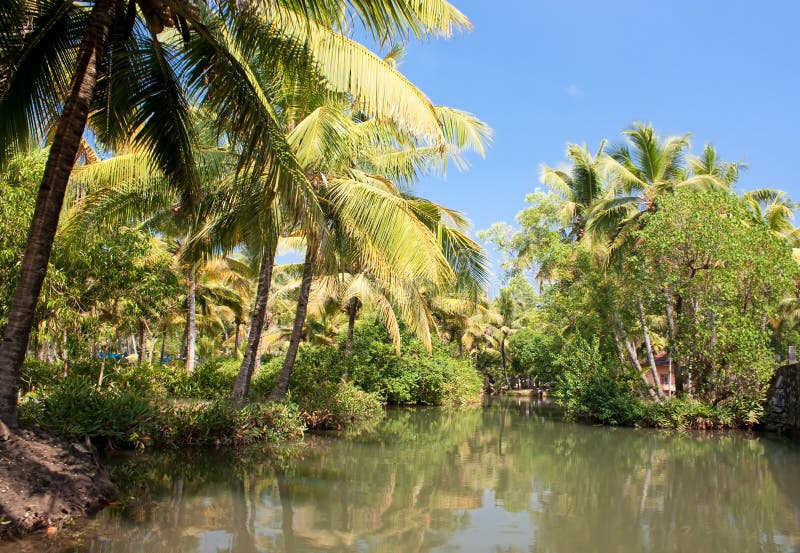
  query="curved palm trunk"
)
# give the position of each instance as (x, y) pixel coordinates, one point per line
(649, 348)
(631, 351)
(241, 387)
(282, 385)
(50, 198)
(191, 321)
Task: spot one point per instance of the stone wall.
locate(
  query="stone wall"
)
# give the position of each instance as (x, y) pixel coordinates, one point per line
(783, 399)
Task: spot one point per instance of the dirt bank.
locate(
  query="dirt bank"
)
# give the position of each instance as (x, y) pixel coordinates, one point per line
(46, 482)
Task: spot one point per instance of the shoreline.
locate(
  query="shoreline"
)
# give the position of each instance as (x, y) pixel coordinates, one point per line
(46, 482)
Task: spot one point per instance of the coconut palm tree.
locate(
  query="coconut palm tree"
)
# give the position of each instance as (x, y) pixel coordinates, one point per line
(641, 170)
(579, 187)
(56, 58)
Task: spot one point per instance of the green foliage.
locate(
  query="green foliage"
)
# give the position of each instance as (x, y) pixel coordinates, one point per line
(642, 249)
(150, 405)
(75, 409)
(217, 422)
(18, 184)
(415, 377)
(730, 274)
(534, 354)
(588, 389)
(339, 405)
(682, 413)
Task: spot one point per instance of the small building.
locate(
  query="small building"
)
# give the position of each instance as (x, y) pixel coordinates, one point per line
(665, 374)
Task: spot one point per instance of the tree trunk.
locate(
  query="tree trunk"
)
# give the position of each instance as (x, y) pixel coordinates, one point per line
(352, 312)
(102, 368)
(184, 341)
(503, 359)
(236, 338)
(142, 342)
(353, 306)
(618, 348)
(282, 385)
(241, 387)
(649, 349)
(163, 344)
(63, 353)
(191, 321)
(632, 357)
(49, 200)
(672, 360)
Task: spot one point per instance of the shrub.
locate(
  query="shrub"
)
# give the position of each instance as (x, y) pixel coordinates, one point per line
(588, 389)
(414, 378)
(122, 416)
(534, 354)
(338, 405)
(217, 422)
(75, 409)
(685, 412)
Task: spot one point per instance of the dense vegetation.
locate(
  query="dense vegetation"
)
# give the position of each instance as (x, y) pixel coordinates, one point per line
(663, 296)
(151, 284)
(193, 145)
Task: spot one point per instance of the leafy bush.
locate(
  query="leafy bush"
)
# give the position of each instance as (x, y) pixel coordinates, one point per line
(124, 417)
(414, 378)
(75, 410)
(685, 412)
(338, 405)
(588, 389)
(534, 354)
(217, 422)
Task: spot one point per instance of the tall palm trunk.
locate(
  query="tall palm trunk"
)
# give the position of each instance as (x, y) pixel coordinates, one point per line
(66, 142)
(503, 359)
(282, 385)
(241, 387)
(163, 344)
(238, 325)
(353, 306)
(142, 342)
(191, 320)
(649, 349)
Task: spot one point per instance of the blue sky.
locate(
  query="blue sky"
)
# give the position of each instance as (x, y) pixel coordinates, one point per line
(547, 72)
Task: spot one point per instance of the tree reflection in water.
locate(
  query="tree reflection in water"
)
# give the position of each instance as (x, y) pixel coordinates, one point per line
(510, 476)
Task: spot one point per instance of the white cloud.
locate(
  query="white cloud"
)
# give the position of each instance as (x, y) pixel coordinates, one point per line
(573, 91)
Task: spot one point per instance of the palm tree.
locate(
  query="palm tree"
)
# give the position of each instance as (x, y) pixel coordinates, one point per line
(579, 187)
(640, 171)
(144, 96)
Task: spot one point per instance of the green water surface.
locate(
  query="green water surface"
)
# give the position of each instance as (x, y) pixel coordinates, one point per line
(508, 477)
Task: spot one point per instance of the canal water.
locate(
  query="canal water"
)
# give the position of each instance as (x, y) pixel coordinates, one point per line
(508, 477)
